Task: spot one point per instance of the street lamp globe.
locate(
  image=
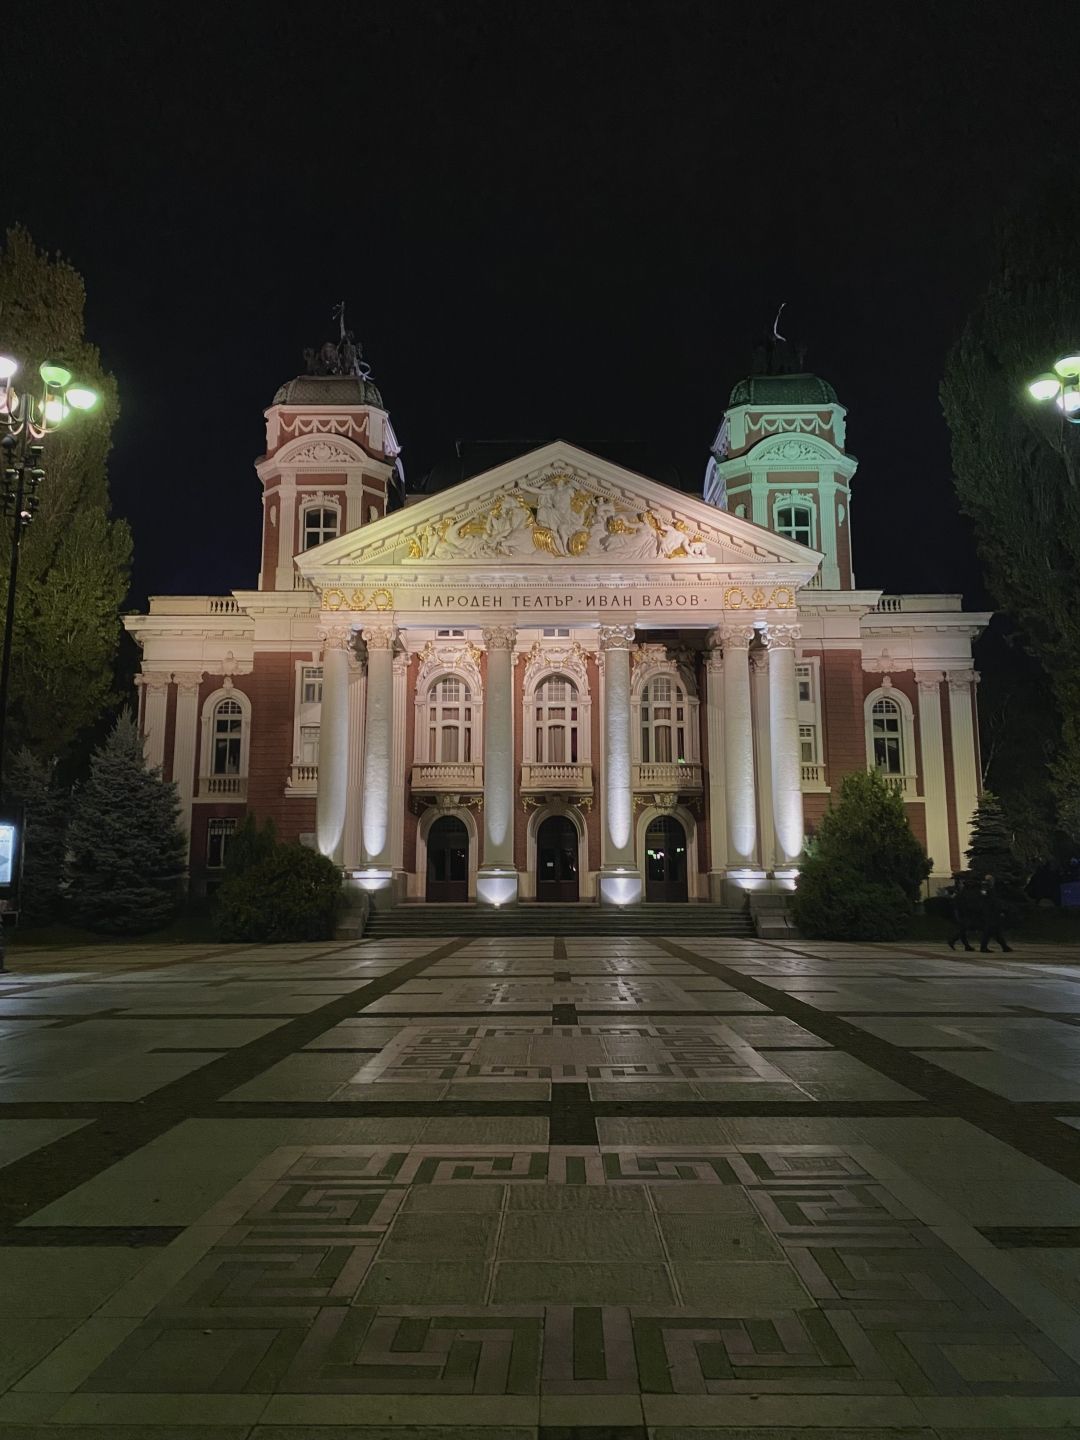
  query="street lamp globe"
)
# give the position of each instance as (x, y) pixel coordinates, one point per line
(1045, 387)
(8, 367)
(81, 397)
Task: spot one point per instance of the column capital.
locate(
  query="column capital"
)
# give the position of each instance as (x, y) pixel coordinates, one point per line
(784, 637)
(154, 680)
(929, 680)
(736, 635)
(616, 637)
(335, 637)
(379, 637)
(499, 637)
(960, 679)
(188, 681)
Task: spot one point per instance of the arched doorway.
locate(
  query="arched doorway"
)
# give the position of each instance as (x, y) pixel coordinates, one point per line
(665, 859)
(557, 859)
(448, 860)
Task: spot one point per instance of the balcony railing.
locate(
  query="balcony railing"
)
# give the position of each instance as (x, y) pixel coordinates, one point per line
(904, 785)
(454, 776)
(223, 787)
(664, 776)
(303, 780)
(575, 778)
(813, 775)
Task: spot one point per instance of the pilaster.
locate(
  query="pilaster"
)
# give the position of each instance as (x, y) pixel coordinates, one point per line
(185, 737)
(155, 705)
(964, 762)
(933, 773)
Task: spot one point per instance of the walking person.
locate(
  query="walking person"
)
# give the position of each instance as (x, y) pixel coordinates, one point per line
(991, 916)
(961, 911)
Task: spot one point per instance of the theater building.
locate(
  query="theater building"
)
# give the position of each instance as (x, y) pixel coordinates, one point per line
(557, 679)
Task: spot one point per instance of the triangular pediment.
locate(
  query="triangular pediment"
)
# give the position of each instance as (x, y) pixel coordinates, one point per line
(557, 506)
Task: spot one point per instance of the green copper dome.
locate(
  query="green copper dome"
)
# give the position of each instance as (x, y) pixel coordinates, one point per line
(332, 390)
(804, 389)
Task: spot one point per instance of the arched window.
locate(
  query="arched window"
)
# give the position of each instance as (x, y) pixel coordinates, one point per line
(320, 525)
(227, 729)
(797, 523)
(887, 736)
(557, 713)
(450, 717)
(663, 721)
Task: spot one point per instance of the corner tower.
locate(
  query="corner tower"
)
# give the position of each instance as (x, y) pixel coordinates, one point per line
(332, 459)
(779, 460)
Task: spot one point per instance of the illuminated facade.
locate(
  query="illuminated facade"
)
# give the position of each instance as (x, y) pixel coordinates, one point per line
(558, 679)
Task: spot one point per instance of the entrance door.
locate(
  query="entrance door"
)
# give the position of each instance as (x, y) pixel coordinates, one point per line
(448, 860)
(665, 860)
(557, 859)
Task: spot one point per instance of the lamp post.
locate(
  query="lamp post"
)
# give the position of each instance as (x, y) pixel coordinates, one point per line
(26, 420)
(1062, 386)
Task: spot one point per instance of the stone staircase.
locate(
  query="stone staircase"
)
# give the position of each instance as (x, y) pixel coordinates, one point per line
(581, 920)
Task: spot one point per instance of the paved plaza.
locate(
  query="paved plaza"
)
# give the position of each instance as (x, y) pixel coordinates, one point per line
(614, 1188)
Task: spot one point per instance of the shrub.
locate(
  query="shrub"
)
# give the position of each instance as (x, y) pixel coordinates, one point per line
(835, 903)
(864, 870)
(289, 893)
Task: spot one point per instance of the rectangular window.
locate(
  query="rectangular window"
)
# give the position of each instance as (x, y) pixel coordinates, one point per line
(450, 634)
(311, 685)
(555, 632)
(217, 842)
(309, 744)
(808, 744)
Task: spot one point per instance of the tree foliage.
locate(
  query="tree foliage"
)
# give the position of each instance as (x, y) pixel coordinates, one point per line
(865, 869)
(992, 852)
(32, 783)
(125, 847)
(73, 569)
(1017, 464)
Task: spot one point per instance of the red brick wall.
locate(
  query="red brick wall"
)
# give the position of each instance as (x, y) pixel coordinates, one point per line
(271, 688)
(842, 691)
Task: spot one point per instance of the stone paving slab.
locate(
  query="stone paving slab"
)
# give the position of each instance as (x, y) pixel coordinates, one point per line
(547, 1189)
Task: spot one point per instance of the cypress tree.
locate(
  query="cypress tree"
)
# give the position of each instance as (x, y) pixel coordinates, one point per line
(126, 850)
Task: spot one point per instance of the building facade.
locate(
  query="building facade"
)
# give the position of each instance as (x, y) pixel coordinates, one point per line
(559, 679)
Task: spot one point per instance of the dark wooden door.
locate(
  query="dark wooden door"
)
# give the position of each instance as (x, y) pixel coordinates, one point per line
(448, 860)
(557, 859)
(665, 860)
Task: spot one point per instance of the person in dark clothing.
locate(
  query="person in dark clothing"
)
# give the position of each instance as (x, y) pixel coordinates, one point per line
(961, 910)
(991, 916)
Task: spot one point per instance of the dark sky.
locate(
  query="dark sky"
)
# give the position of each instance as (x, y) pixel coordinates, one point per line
(571, 219)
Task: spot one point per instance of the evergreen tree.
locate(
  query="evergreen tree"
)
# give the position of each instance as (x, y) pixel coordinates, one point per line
(992, 853)
(126, 850)
(1016, 464)
(864, 870)
(33, 784)
(73, 567)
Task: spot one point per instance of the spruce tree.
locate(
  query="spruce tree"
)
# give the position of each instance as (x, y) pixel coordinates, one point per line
(33, 784)
(991, 853)
(126, 850)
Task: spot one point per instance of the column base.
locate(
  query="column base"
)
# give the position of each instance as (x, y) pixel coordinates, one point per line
(381, 880)
(737, 880)
(619, 885)
(497, 886)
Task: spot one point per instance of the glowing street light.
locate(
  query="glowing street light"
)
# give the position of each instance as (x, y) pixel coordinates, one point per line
(1062, 386)
(27, 417)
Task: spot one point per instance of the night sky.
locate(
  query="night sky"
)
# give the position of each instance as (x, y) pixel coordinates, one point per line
(547, 219)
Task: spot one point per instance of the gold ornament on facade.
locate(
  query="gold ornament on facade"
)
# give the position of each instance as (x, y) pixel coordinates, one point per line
(780, 597)
(380, 599)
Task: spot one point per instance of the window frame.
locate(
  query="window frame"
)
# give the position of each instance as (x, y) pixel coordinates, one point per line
(327, 507)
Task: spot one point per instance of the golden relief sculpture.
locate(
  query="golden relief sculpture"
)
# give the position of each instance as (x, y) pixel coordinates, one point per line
(556, 517)
(335, 599)
(740, 597)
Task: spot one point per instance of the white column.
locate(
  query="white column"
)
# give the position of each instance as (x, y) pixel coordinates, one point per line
(784, 753)
(964, 760)
(155, 705)
(827, 538)
(377, 872)
(714, 763)
(620, 879)
(933, 772)
(354, 794)
(286, 520)
(497, 877)
(759, 709)
(333, 743)
(397, 768)
(184, 740)
(739, 751)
